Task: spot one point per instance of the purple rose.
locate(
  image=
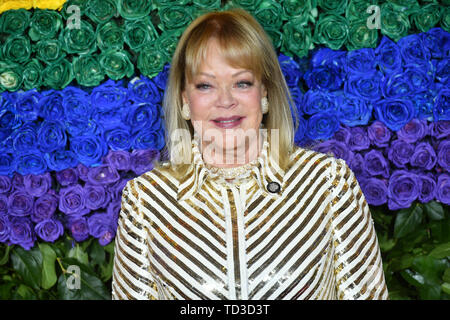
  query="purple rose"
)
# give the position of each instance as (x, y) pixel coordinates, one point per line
(427, 187)
(115, 189)
(71, 199)
(101, 228)
(49, 230)
(4, 228)
(3, 204)
(95, 196)
(375, 163)
(119, 160)
(400, 153)
(423, 156)
(21, 232)
(443, 188)
(440, 129)
(358, 139)
(20, 203)
(375, 191)
(37, 185)
(17, 182)
(113, 211)
(343, 135)
(443, 157)
(5, 184)
(44, 207)
(356, 164)
(82, 171)
(67, 177)
(337, 149)
(79, 228)
(379, 134)
(142, 160)
(413, 131)
(404, 188)
(103, 174)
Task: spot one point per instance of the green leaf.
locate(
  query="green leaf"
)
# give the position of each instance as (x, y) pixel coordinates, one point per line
(24, 292)
(440, 230)
(5, 257)
(441, 251)
(434, 210)
(91, 287)
(29, 265)
(78, 253)
(48, 266)
(446, 287)
(446, 276)
(97, 254)
(407, 220)
(431, 271)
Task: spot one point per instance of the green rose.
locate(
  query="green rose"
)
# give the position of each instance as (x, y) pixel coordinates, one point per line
(445, 19)
(249, 5)
(361, 36)
(298, 8)
(14, 21)
(394, 24)
(82, 5)
(49, 51)
(116, 64)
(16, 49)
(87, 70)
(275, 35)
(134, 9)
(151, 61)
(405, 6)
(426, 17)
(101, 11)
(357, 9)
(168, 41)
(44, 24)
(333, 6)
(206, 4)
(269, 14)
(110, 36)
(32, 75)
(58, 74)
(139, 32)
(80, 40)
(159, 3)
(331, 30)
(10, 76)
(174, 17)
(296, 38)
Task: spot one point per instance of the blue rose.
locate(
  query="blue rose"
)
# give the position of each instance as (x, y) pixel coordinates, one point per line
(297, 97)
(418, 77)
(394, 112)
(322, 126)
(441, 110)
(325, 77)
(333, 58)
(361, 61)
(161, 78)
(79, 126)
(396, 85)
(290, 69)
(142, 115)
(51, 136)
(6, 142)
(76, 103)
(7, 164)
(108, 95)
(32, 162)
(24, 138)
(143, 90)
(109, 119)
(9, 120)
(88, 149)
(413, 50)
(388, 56)
(315, 101)
(26, 104)
(423, 101)
(51, 105)
(355, 112)
(149, 139)
(443, 71)
(300, 132)
(60, 159)
(118, 138)
(363, 85)
(437, 41)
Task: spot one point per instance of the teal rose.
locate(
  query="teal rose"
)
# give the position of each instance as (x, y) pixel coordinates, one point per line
(79, 40)
(87, 70)
(110, 36)
(116, 64)
(139, 33)
(45, 24)
(14, 21)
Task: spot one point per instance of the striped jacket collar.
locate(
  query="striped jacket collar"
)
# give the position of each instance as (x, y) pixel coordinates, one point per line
(264, 169)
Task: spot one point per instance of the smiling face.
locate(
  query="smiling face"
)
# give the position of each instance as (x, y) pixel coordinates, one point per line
(225, 109)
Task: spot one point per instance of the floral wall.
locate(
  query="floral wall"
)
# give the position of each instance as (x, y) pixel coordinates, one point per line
(81, 86)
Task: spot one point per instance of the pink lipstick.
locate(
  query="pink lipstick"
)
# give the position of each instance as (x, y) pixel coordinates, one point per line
(228, 122)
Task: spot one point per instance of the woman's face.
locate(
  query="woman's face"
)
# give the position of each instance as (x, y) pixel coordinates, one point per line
(225, 106)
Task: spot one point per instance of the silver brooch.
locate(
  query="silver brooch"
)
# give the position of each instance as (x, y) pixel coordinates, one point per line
(273, 187)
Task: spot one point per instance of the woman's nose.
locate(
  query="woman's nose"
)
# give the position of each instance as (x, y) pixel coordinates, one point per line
(225, 98)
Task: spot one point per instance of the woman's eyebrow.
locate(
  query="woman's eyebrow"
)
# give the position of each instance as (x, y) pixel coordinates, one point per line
(234, 75)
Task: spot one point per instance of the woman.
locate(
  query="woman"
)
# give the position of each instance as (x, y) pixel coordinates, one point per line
(239, 212)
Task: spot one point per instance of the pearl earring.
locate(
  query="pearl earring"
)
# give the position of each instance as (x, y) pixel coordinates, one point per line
(185, 112)
(264, 105)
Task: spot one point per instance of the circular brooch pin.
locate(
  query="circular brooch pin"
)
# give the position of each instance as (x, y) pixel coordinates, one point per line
(273, 187)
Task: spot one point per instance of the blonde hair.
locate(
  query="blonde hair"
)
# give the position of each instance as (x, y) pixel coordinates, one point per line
(243, 43)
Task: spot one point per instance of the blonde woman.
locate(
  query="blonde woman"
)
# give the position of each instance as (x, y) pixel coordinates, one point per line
(240, 212)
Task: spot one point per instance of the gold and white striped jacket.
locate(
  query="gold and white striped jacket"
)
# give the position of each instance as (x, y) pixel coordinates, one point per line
(203, 238)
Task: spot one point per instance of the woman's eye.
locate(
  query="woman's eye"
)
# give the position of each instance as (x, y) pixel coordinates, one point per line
(244, 84)
(202, 86)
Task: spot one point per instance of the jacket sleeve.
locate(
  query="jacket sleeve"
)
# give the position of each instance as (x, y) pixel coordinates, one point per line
(357, 258)
(132, 277)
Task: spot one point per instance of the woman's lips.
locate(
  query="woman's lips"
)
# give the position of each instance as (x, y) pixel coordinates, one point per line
(227, 123)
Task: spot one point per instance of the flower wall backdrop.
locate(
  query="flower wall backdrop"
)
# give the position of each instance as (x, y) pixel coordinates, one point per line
(80, 114)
